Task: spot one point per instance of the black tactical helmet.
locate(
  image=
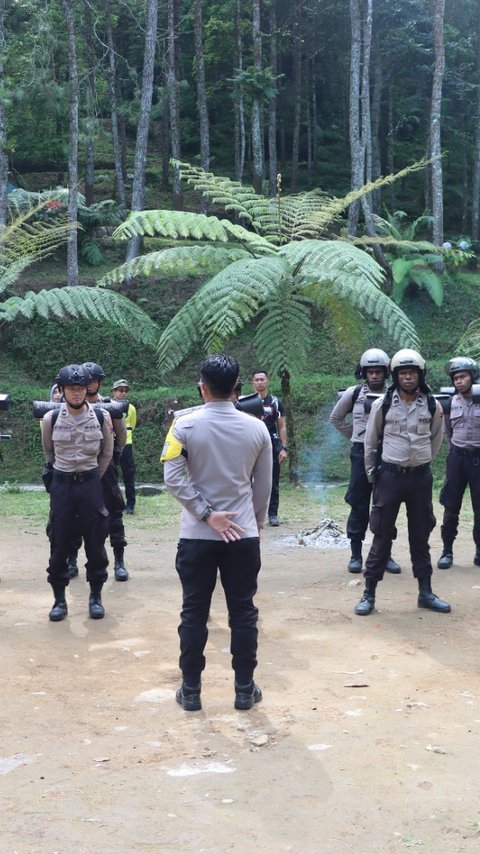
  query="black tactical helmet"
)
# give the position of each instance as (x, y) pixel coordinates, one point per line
(96, 371)
(463, 363)
(73, 375)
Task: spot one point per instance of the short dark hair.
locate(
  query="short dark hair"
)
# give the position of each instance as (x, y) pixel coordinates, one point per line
(220, 374)
(259, 371)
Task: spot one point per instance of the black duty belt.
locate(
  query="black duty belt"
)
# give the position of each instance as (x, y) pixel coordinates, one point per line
(466, 452)
(405, 469)
(75, 476)
(359, 445)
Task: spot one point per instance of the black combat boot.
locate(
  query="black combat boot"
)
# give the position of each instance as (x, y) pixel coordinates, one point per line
(95, 607)
(246, 696)
(367, 602)
(121, 573)
(72, 565)
(188, 697)
(355, 563)
(59, 609)
(476, 559)
(427, 599)
(446, 559)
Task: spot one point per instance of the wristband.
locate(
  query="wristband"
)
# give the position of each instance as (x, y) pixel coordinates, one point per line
(208, 512)
(284, 448)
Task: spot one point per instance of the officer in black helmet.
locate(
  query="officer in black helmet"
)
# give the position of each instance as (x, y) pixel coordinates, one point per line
(462, 429)
(404, 433)
(111, 490)
(374, 368)
(78, 444)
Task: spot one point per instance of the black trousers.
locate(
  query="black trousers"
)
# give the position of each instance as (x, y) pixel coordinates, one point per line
(197, 563)
(77, 507)
(415, 491)
(127, 464)
(462, 471)
(113, 498)
(275, 493)
(358, 494)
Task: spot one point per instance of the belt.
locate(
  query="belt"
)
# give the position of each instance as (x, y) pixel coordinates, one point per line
(466, 452)
(359, 445)
(75, 476)
(404, 469)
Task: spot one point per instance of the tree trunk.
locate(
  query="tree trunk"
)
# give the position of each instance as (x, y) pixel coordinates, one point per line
(112, 89)
(476, 162)
(376, 113)
(3, 128)
(173, 100)
(272, 120)
(297, 94)
(72, 256)
(240, 135)
(257, 135)
(165, 131)
(356, 153)
(435, 123)
(138, 186)
(201, 98)
(90, 103)
(291, 429)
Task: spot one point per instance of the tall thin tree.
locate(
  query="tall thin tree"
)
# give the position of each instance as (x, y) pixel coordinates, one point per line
(435, 122)
(138, 187)
(3, 127)
(201, 97)
(72, 243)
(174, 99)
(272, 106)
(239, 101)
(257, 131)
(112, 91)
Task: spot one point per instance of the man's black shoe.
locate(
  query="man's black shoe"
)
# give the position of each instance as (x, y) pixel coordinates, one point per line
(476, 559)
(246, 696)
(367, 602)
(273, 521)
(427, 599)
(72, 566)
(119, 569)
(355, 564)
(59, 609)
(189, 698)
(95, 607)
(393, 567)
(445, 561)
(129, 510)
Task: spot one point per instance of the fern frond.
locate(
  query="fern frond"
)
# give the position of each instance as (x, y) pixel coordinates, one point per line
(334, 207)
(470, 341)
(188, 226)
(288, 312)
(26, 240)
(221, 307)
(353, 275)
(179, 261)
(82, 302)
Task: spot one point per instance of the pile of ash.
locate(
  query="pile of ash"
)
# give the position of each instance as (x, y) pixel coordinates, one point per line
(326, 535)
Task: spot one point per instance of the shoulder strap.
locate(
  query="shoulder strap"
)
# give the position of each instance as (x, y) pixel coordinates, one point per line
(356, 392)
(98, 413)
(432, 404)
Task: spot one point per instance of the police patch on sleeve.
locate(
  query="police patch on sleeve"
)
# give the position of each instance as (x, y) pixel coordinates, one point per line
(172, 447)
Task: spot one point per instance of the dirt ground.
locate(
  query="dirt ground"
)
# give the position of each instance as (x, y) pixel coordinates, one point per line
(367, 740)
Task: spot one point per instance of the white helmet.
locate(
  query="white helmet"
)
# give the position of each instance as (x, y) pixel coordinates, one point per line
(374, 358)
(408, 359)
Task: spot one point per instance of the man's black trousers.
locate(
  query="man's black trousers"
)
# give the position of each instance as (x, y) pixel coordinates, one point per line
(127, 464)
(77, 506)
(358, 494)
(415, 491)
(197, 563)
(275, 493)
(462, 470)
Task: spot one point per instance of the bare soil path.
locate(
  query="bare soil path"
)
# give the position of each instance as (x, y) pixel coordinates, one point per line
(367, 740)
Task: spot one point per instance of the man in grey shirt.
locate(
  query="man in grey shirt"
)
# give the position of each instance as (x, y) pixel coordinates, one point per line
(218, 464)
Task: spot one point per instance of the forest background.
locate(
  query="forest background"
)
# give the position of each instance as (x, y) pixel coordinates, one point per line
(97, 97)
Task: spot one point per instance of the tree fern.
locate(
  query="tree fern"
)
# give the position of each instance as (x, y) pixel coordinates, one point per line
(289, 312)
(469, 343)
